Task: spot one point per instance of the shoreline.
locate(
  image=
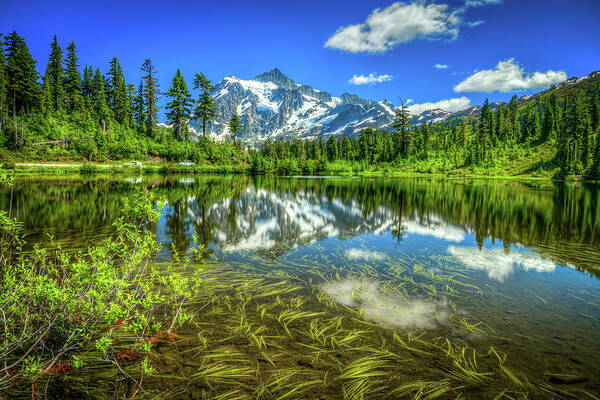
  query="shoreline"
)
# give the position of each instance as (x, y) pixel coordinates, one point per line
(204, 169)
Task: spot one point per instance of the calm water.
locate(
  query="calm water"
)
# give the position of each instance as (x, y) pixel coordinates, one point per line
(482, 264)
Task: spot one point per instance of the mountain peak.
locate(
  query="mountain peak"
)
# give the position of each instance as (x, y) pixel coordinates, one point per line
(277, 77)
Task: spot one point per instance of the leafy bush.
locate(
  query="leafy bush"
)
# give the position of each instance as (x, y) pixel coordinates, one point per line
(61, 311)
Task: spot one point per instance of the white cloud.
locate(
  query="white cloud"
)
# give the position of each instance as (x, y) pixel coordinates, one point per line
(508, 76)
(441, 66)
(386, 28)
(451, 105)
(408, 101)
(499, 264)
(369, 79)
(481, 3)
(473, 24)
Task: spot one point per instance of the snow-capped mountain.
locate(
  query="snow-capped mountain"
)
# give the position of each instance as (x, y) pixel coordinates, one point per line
(271, 105)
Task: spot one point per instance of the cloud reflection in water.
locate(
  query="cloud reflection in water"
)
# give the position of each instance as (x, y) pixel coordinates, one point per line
(498, 264)
(385, 308)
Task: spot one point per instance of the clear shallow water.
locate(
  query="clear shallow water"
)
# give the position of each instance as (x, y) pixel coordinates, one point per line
(484, 264)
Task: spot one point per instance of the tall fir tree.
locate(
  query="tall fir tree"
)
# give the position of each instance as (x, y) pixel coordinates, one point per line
(547, 132)
(235, 125)
(138, 108)
(401, 127)
(73, 96)
(3, 85)
(53, 78)
(179, 108)
(101, 109)
(151, 94)
(514, 126)
(595, 111)
(86, 86)
(46, 103)
(116, 92)
(22, 84)
(205, 110)
(485, 128)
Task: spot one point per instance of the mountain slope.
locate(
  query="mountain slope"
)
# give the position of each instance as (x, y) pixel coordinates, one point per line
(271, 105)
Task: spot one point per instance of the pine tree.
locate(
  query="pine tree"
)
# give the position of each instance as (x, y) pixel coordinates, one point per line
(116, 92)
(179, 108)
(595, 168)
(595, 112)
(205, 106)
(401, 127)
(101, 109)
(46, 103)
(150, 95)
(22, 85)
(53, 78)
(576, 131)
(86, 86)
(332, 150)
(72, 80)
(485, 128)
(547, 132)
(235, 125)
(3, 85)
(514, 127)
(138, 107)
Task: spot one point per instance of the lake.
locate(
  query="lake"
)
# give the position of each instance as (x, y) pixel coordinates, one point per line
(358, 287)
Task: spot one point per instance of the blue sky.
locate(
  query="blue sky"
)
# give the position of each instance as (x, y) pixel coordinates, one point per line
(326, 43)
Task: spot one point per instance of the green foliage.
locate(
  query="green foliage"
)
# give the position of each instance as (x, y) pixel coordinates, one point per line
(179, 108)
(90, 306)
(205, 106)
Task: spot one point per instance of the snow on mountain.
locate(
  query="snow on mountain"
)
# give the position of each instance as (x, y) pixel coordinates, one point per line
(271, 105)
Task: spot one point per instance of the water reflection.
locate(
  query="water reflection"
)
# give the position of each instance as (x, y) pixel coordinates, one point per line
(385, 308)
(270, 216)
(499, 263)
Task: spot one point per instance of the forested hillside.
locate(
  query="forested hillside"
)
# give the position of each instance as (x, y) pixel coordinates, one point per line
(64, 114)
(70, 112)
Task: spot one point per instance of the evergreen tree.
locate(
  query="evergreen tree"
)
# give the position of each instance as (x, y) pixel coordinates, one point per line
(150, 95)
(53, 79)
(401, 127)
(22, 85)
(72, 80)
(332, 150)
(576, 132)
(138, 107)
(485, 127)
(514, 126)
(556, 112)
(595, 112)
(86, 86)
(101, 109)
(205, 106)
(116, 92)
(46, 103)
(595, 168)
(3, 85)
(235, 125)
(547, 132)
(179, 108)
(346, 150)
